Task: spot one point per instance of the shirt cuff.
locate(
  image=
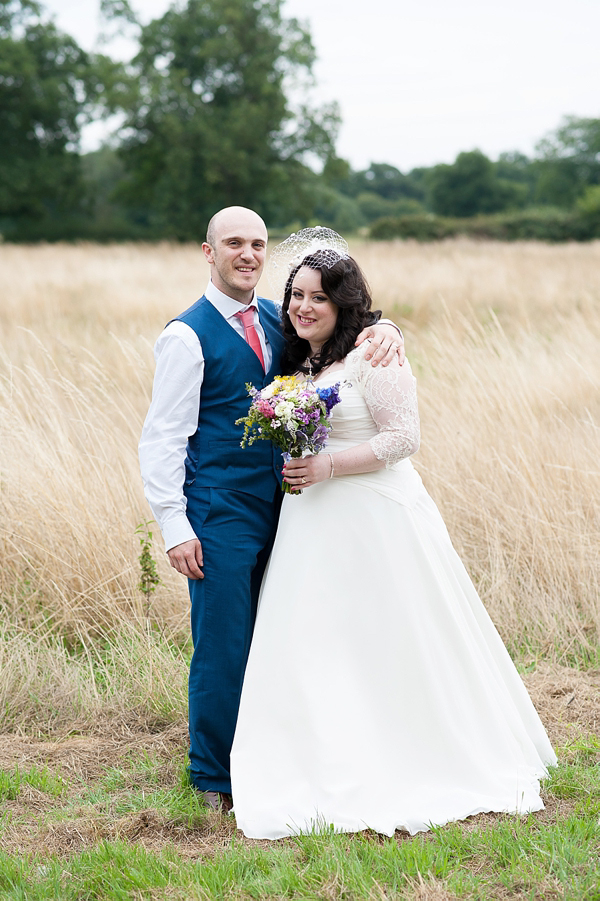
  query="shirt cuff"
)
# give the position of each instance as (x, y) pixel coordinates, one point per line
(176, 531)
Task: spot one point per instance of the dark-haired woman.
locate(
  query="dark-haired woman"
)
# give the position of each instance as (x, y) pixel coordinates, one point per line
(378, 693)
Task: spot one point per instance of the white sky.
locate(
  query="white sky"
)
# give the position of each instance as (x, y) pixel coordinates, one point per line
(419, 81)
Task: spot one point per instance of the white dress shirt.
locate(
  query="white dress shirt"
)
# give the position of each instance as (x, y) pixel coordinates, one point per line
(173, 415)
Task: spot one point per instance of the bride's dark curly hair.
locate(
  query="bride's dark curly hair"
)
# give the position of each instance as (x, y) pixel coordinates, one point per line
(345, 285)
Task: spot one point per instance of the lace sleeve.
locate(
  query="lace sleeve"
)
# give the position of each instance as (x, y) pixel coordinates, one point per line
(391, 396)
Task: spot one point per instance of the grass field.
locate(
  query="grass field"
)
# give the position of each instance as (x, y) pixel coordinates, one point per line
(504, 342)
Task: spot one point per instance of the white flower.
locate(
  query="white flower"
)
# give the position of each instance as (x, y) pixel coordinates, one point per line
(269, 391)
(284, 410)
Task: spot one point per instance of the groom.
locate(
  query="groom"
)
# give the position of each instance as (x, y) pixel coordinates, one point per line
(216, 504)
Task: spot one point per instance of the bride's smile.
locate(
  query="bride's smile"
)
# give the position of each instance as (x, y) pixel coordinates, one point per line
(311, 312)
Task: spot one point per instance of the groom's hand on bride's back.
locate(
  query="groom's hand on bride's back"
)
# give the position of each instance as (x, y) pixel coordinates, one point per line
(187, 559)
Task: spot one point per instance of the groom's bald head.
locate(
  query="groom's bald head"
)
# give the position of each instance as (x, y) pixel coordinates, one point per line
(232, 217)
(235, 248)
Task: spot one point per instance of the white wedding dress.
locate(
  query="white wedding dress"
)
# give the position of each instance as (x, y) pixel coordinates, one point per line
(378, 693)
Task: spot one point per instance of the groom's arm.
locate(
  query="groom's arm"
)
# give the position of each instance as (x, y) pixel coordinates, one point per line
(387, 341)
(171, 419)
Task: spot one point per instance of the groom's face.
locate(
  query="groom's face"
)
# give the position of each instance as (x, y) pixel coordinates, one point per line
(237, 255)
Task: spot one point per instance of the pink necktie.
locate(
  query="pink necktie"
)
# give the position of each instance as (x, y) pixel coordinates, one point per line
(250, 333)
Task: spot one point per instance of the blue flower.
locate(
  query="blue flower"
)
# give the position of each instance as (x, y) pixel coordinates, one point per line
(330, 396)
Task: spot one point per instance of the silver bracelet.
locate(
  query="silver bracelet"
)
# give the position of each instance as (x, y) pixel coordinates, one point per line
(331, 462)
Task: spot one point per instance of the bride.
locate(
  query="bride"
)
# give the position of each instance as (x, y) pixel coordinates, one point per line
(378, 693)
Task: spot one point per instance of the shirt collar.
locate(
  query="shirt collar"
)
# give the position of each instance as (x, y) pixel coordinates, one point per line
(226, 305)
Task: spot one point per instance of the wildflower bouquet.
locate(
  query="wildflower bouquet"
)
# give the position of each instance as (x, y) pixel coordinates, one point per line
(292, 413)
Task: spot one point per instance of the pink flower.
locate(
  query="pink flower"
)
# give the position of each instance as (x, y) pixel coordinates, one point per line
(264, 407)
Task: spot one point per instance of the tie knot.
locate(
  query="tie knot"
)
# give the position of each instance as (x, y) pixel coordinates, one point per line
(247, 317)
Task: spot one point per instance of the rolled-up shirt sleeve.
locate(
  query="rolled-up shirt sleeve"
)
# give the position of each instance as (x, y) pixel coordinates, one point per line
(171, 420)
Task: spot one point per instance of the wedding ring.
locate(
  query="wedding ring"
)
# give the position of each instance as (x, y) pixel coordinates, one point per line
(303, 480)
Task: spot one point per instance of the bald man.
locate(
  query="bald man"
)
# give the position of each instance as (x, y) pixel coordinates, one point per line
(217, 504)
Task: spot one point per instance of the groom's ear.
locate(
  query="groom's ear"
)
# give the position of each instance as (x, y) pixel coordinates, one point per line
(209, 252)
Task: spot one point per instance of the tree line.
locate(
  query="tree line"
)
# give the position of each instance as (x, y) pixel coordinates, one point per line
(214, 110)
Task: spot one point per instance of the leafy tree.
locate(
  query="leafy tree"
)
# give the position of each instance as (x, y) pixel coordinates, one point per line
(47, 84)
(387, 181)
(341, 206)
(374, 206)
(338, 174)
(513, 166)
(212, 124)
(40, 77)
(568, 161)
(334, 209)
(557, 184)
(418, 179)
(379, 179)
(470, 186)
(588, 207)
(102, 172)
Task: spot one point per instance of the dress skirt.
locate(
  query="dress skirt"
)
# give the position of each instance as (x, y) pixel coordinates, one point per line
(378, 693)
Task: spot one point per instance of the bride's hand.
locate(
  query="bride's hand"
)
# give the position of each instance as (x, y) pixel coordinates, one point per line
(307, 471)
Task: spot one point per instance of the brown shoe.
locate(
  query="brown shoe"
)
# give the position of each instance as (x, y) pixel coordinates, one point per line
(218, 801)
(211, 799)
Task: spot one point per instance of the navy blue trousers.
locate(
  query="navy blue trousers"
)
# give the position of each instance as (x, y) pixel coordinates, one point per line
(237, 532)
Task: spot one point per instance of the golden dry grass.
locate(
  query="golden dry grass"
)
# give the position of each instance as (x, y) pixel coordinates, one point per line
(503, 339)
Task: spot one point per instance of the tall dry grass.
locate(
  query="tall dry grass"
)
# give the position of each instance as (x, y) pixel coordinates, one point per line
(504, 341)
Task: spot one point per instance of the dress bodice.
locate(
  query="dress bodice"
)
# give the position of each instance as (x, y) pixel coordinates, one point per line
(378, 405)
(351, 421)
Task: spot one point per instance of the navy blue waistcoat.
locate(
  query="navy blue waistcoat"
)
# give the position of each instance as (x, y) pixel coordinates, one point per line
(214, 456)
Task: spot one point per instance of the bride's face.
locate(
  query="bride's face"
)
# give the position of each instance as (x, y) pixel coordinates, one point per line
(311, 312)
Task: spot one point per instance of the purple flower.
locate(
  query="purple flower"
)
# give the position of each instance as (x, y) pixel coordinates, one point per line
(320, 435)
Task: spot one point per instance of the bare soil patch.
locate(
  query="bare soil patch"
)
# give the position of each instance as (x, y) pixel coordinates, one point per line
(568, 701)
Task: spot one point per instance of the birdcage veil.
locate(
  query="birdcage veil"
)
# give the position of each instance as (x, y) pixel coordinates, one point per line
(324, 245)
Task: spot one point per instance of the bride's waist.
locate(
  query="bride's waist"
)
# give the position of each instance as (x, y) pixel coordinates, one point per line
(336, 445)
(401, 481)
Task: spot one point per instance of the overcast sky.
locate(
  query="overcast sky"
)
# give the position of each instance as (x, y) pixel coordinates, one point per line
(419, 81)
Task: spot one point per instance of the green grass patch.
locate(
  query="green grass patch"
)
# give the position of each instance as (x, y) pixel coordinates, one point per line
(139, 785)
(177, 806)
(574, 782)
(134, 769)
(526, 856)
(12, 782)
(550, 855)
(529, 650)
